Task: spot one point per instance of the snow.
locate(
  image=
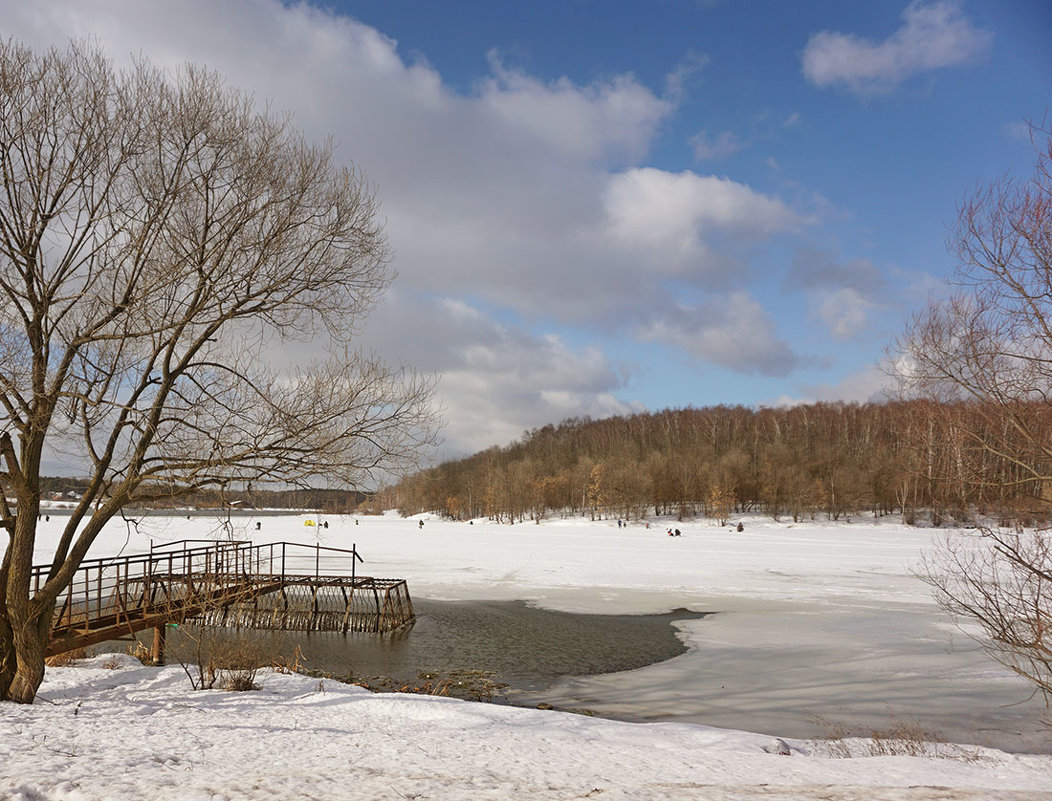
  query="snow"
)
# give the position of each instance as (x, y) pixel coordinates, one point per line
(110, 728)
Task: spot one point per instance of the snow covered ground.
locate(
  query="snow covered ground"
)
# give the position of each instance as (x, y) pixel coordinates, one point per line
(818, 593)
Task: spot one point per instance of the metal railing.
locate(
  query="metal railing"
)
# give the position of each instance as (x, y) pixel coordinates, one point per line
(181, 579)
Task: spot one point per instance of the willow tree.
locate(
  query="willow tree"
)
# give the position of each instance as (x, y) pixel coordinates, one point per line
(169, 256)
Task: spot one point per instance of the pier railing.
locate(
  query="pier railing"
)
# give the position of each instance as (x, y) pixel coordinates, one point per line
(279, 585)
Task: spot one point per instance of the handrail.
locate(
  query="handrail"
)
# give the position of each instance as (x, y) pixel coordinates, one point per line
(218, 558)
(212, 543)
(215, 546)
(123, 594)
(140, 557)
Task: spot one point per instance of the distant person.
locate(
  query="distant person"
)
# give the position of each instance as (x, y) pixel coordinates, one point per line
(677, 532)
(325, 524)
(421, 524)
(259, 525)
(740, 527)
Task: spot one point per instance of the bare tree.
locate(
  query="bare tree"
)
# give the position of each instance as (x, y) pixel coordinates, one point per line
(163, 247)
(1000, 579)
(985, 354)
(721, 502)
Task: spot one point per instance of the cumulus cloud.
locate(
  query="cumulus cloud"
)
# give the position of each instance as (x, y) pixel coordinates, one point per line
(932, 36)
(497, 379)
(733, 332)
(522, 197)
(611, 119)
(843, 295)
(670, 215)
(845, 312)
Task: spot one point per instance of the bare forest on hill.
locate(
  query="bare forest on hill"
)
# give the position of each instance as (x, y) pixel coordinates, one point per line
(920, 459)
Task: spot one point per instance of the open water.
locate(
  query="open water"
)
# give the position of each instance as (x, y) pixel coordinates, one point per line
(794, 670)
(528, 648)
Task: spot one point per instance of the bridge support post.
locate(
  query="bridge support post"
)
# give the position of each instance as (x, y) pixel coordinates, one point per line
(157, 652)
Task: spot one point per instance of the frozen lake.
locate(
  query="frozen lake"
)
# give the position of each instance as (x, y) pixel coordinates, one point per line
(799, 669)
(814, 624)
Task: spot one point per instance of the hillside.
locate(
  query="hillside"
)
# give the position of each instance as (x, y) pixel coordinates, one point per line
(828, 459)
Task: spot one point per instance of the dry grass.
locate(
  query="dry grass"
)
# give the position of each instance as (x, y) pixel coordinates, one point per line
(140, 652)
(296, 663)
(240, 681)
(66, 658)
(900, 738)
(230, 663)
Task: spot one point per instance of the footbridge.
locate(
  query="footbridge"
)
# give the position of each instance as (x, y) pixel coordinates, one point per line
(280, 586)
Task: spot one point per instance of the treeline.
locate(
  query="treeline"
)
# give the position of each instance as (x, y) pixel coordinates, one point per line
(334, 501)
(830, 459)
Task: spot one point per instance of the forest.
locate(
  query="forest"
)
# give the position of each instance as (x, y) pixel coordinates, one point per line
(927, 461)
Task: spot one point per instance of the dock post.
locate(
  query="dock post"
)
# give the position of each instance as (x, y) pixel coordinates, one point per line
(157, 652)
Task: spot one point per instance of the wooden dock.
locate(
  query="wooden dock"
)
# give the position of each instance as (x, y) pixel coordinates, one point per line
(279, 586)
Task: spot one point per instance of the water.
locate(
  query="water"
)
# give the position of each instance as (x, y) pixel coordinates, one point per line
(528, 648)
(788, 668)
(802, 670)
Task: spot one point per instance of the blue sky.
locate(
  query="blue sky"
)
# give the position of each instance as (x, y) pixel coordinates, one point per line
(602, 206)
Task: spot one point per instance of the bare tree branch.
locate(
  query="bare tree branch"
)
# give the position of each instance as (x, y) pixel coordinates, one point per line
(160, 239)
(985, 356)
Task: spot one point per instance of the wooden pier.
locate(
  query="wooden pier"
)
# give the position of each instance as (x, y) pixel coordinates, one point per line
(279, 586)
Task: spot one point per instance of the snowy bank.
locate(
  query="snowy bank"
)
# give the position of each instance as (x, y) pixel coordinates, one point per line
(110, 728)
(807, 614)
(813, 619)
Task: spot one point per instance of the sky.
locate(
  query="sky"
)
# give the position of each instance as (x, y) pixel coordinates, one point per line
(599, 207)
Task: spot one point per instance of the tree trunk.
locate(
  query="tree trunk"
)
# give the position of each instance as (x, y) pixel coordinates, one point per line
(7, 655)
(23, 661)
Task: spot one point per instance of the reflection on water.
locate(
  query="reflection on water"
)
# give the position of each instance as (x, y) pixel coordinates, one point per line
(528, 648)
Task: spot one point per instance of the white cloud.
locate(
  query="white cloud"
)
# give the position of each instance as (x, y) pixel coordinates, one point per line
(863, 386)
(726, 143)
(813, 268)
(613, 119)
(844, 295)
(678, 80)
(932, 36)
(844, 311)
(523, 197)
(733, 332)
(496, 378)
(670, 214)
